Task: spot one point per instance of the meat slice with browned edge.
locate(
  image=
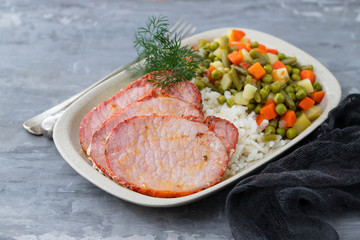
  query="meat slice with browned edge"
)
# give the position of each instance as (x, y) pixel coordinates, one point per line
(165, 156)
(186, 91)
(152, 103)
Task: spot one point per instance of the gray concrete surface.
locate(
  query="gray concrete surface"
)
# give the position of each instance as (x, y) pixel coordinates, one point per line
(50, 50)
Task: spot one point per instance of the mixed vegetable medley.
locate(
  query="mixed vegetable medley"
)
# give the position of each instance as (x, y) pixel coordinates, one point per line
(275, 86)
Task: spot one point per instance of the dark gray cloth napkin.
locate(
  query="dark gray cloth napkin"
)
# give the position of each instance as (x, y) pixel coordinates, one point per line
(321, 174)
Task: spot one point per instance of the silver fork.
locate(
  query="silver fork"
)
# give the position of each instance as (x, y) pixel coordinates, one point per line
(43, 123)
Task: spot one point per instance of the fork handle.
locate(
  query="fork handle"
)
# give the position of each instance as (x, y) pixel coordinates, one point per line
(33, 125)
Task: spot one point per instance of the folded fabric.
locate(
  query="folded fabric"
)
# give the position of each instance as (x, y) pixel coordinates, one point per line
(322, 174)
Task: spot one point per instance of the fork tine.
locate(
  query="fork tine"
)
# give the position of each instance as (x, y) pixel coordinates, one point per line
(178, 30)
(185, 31)
(176, 25)
(192, 32)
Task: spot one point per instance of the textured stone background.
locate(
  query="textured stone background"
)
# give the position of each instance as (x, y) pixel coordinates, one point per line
(50, 50)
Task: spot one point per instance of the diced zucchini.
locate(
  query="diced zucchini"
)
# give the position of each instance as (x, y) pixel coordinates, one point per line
(217, 64)
(239, 99)
(301, 123)
(280, 75)
(245, 40)
(313, 113)
(217, 53)
(306, 83)
(246, 55)
(249, 91)
(272, 57)
(226, 82)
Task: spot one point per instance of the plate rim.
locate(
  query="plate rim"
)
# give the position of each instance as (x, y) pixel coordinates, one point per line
(81, 166)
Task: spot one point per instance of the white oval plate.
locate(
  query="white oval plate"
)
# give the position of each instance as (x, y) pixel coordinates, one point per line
(66, 132)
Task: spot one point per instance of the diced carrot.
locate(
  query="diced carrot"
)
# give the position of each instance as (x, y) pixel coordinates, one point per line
(236, 57)
(240, 46)
(307, 74)
(278, 64)
(262, 46)
(271, 50)
(211, 68)
(259, 119)
(260, 50)
(257, 71)
(196, 47)
(306, 103)
(269, 101)
(268, 111)
(245, 65)
(317, 96)
(236, 35)
(289, 117)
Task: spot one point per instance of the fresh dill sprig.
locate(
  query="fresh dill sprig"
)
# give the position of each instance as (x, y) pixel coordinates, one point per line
(165, 58)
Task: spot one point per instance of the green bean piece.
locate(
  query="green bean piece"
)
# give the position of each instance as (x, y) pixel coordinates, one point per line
(216, 59)
(298, 113)
(235, 79)
(275, 87)
(206, 48)
(254, 44)
(230, 102)
(232, 48)
(317, 86)
(257, 108)
(289, 61)
(295, 76)
(257, 95)
(280, 109)
(296, 70)
(307, 67)
(216, 74)
(214, 45)
(264, 94)
(288, 100)
(224, 42)
(221, 89)
(206, 63)
(279, 98)
(267, 78)
(269, 137)
(292, 95)
(291, 133)
(259, 57)
(248, 80)
(274, 122)
(250, 107)
(211, 86)
(300, 95)
(270, 130)
(221, 99)
(268, 68)
(289, 68)
(211, 56)
(241, 70)
(200, 84)
(280, 131)
(289, 89)
(281, 56)
(224, 58)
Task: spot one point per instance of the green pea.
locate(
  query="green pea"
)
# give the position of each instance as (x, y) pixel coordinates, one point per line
(279, 98)
(298, 113)
(254, 44)
(296, 70)
(257, 108)
(216, 74)
(214, 45)
(275, 87)
(268, 68)
(267, 88)
(264, 94)
(206, 48)
(281, 56)
(289, 89)
(203, 42)
(253, 54)
(317, 86)
(280, 109)
(267, 78)
(295, 76)
(289, 68)
(211, 56)
(280, 131)
(300, 95)
(292, 95)
(298, 88)
(291, 133)
(200, 84)
(250, 107)
(230, 102)
(270, 130)
(216, 59)
(221, 99)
